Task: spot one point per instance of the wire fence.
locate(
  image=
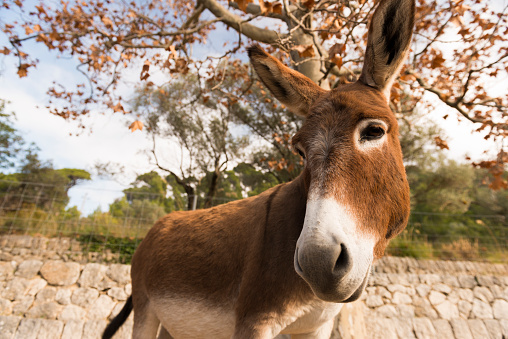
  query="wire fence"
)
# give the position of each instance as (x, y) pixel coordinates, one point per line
(39, 209)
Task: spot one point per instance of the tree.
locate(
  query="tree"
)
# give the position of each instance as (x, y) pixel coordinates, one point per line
(458, 47)
(12, 144)
(200, 125)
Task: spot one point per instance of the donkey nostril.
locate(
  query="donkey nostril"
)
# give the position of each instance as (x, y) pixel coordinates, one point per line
(343, 264)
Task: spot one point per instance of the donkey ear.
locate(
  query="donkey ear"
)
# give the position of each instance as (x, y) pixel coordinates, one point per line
(293, 89)
(388, 43)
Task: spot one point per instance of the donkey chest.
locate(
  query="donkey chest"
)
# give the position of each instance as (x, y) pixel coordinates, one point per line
(310, 317)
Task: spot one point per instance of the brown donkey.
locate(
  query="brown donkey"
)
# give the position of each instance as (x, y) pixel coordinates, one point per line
(285, 260)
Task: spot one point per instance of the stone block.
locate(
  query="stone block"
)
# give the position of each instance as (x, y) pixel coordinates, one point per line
(92, 275)
(60, 273)
(404, 328)
(464, 308)
(466, 281)
(5, 307)
(8, 326)
(20, 307)
(387, 311)
(119, 273)
(443, 329)
(84, 297)
(478, 329)
(47, 310)
(93, 328)
(401, 298)
(28, 328)
(6, 270)
(423, 290)
(119, 293)
(461, 329)
(50, 329)
(28, 269)
(483, 293)
(481, 310)
(73, 329)
(35, 286)
(46, 294)
(101, 308)
(494, 328)
(406, 311)
(372, 301)
(447, 310)
(381, 328)
(72, 312)
(442, 288)
(63, 296)
(423, 328)
(423, 308)
(16, 288)
(436, 298)
(500, 309)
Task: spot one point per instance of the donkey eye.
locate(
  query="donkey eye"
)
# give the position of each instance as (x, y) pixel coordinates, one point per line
(300, 152)
(372, 132)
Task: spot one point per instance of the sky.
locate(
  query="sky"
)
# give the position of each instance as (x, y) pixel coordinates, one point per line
(112, 141)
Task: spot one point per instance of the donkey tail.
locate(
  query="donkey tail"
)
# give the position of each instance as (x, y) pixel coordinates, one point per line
(118, 321)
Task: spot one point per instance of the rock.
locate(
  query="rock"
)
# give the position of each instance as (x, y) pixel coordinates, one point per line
(128, 289)
(453, 297)
(92, 275)
(461, 329)
(73, 329)
(396, 288)
(21, 306)
(60, 273)
(447, 310)
(466, 281)
(381, 328)
(442, 288)
(498, 292)
(63, 296)
(406, 311)
(349, 324)
(119, 273)
(4, 256)
(483, 293)
(84, 297)
(28, 328)
(436, 298)
(494, 328)
(430, 279)
(379, 279)
(47, 310)
(500, 309)
(5, 307)
(119, 294)
(404, 328)
(504, 327)
(72, 312)
(465, 294)
(423, 290)
(8, 326)
(92, 328)
(46, 294)
(423, 308)
(485, 280)
(28, 269)
(387, 311)
(478, 329)
(6, 270)
(50, 329)
(443, 329)
(15, 289)
(372, 301)
(101, 308)
(464, 308)
(451, 280)
(423, 328)
(481, 310)
(401, 298)
(35, 286)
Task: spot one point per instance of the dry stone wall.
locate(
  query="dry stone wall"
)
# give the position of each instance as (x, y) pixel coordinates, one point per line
(49, 290)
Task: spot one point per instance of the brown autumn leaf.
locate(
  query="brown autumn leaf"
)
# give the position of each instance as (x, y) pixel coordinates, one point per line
(28, 30)
(437, 61)
(277, 8)
(22, 70)
(136, 125)
(242, 4)
(144, 71)
(5, 51)
(305, 51)
(118, 108)
(309, 3)
(441, 143)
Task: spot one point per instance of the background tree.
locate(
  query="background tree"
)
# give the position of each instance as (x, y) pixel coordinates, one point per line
(200, 126)
(459, 46)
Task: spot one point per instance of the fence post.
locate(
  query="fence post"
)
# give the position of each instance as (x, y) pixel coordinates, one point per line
(194, 202)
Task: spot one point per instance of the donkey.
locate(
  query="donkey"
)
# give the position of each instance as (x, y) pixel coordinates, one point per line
(284, 262)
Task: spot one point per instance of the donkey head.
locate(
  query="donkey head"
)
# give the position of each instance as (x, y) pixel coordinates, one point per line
(358, 195)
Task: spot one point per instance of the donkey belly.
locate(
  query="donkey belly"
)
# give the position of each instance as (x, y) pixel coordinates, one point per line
(194, 319)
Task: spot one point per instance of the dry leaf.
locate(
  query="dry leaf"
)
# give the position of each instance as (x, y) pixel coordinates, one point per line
(136, 125)
(305, 51)
(441, 143)
(144, 71)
